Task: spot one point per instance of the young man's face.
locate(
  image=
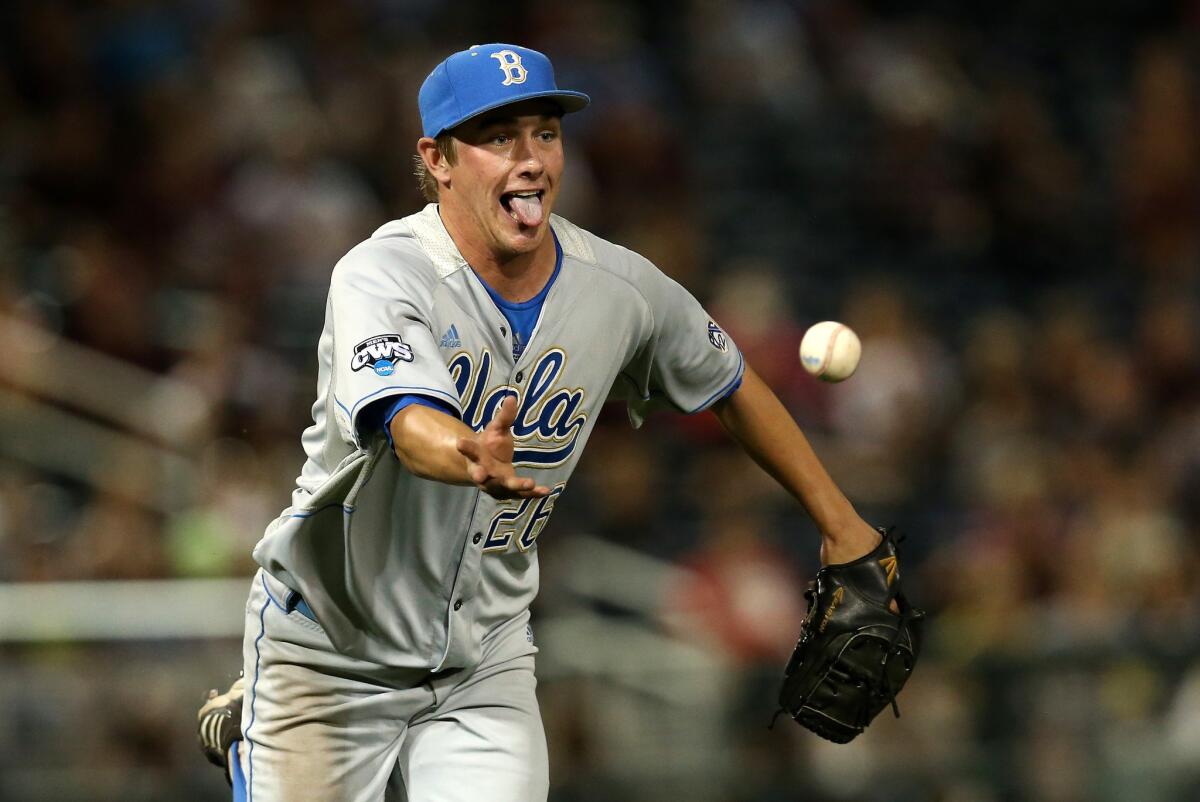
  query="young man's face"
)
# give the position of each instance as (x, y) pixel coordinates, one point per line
(506, 175)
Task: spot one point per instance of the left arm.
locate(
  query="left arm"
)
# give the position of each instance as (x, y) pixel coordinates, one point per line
(754, 417)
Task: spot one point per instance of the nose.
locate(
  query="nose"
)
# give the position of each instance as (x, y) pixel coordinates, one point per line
(528, 156)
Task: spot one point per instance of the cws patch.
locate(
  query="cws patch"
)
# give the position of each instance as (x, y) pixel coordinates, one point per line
(381, 354)
(717, 337)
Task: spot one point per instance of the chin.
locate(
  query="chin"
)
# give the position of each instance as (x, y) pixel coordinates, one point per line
(520, 241)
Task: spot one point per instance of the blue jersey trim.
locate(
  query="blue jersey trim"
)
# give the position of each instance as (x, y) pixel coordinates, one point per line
(304, 610)
(409, 400)
(522, 316)
(537, 300)
(413, 398)
(262, 630)
(417, 390)
(236, 777)
(727, 389)
(737, 383)
(271, 598)
(294, 601)
(346, 508)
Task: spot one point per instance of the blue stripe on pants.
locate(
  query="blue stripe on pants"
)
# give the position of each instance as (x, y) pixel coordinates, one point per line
(262, 630)
(235, 773)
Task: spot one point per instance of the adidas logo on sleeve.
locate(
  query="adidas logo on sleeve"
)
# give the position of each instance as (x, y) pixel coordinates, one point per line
(451, 339)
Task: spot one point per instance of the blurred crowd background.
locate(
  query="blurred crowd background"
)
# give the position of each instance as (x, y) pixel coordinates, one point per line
(1002, 199)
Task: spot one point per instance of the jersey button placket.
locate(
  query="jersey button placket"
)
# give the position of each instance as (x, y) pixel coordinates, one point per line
(478, 536)
(458, 605)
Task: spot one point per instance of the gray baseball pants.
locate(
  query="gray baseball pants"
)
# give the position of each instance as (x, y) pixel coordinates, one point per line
(325, 727)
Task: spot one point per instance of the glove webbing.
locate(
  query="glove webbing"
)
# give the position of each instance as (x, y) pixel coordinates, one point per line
(906, 615)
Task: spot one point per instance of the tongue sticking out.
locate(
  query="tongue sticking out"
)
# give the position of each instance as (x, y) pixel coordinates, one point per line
(527, 210)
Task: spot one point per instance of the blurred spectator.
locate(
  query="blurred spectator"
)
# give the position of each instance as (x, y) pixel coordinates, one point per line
(740, 593)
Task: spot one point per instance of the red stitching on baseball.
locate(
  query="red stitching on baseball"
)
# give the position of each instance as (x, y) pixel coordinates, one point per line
(829, 348)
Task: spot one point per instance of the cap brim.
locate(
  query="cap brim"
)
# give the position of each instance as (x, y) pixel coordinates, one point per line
(567, 100)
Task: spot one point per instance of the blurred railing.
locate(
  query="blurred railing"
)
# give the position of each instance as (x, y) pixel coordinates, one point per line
(169, 609)
(81, 414)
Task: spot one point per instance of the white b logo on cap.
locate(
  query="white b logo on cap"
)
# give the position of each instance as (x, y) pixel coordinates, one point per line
(510, 65)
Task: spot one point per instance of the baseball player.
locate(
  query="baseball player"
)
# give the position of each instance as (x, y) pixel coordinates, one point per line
(466, 353)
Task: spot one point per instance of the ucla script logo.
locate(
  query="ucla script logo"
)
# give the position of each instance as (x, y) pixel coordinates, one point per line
(548, 422)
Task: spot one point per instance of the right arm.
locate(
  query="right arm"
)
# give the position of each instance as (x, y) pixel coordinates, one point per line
(440, 447)
(381, 313)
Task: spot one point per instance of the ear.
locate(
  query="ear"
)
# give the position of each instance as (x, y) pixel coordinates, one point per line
(435, 161)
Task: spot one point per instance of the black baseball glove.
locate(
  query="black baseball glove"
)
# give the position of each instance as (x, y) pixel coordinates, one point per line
(219, 723)
(854, 653)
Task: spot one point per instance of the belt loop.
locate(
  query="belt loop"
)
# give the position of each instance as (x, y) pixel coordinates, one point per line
(290, 601)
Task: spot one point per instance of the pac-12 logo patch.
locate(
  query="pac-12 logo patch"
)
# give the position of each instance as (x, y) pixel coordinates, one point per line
(381, 354)
(717, 337)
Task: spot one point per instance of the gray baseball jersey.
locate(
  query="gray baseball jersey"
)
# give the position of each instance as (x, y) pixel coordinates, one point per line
(411, 573)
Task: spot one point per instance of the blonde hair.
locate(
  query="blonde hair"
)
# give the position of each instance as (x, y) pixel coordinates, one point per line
(426, 182)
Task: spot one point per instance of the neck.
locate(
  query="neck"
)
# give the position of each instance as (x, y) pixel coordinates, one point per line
(516, 276)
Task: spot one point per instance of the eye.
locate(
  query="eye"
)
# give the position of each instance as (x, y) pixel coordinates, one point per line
(548, 136)
(500, 139)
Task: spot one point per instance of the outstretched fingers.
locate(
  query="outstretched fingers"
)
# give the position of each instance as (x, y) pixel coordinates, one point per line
(524, 487)
(502, 483)
(506, 415)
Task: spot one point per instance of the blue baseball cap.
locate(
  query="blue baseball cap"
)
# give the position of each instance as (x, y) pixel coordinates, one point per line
(486, 77)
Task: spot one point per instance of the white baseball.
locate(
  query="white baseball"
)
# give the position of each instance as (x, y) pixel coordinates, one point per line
(830, 351)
